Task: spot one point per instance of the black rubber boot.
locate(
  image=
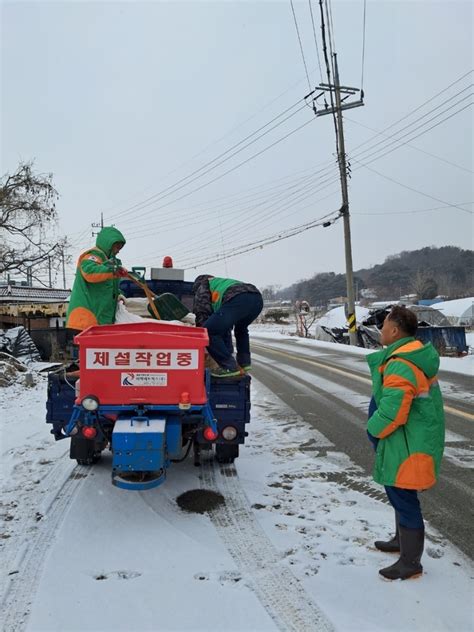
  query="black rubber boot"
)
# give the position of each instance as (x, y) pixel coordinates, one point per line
(393, 545)
(411, 550)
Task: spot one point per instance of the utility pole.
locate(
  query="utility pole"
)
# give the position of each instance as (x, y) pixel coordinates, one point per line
(351, 315)
(49, 271)
(338, 97)
(95, 225)
(339, 105)
(64, 267)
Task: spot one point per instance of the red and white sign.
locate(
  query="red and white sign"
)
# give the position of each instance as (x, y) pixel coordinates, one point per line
(181, 359)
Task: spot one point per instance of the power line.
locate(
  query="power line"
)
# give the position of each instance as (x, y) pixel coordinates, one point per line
(272, 213)
(270, 240)
(315, 40)
(175, 187)
(312, 185)
(251, 205)
(422, 210)
(187, 177)
(214, 142)
(202, 186)
(301, 44)
(394, 150)
(380, 142)
(406, 186)
(363, 50)
(423, 151)
(206, 238)
(421, 105)
(409, 133)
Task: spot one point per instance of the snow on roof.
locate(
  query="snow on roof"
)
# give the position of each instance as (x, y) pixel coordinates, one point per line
(457, 308)
(337, 317)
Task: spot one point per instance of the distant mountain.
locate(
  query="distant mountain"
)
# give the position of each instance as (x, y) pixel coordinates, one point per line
(427, 272)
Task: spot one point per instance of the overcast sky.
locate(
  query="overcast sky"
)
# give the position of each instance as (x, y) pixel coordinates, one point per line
(121, 100)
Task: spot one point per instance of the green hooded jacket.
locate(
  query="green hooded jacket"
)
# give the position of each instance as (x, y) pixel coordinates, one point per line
(96, 288)
(409, 420)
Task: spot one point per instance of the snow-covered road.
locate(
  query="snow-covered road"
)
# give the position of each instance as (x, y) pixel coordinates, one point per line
(290, 550)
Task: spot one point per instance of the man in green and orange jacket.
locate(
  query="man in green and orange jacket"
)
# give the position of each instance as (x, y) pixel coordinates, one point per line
(96, 286)
(406, 426)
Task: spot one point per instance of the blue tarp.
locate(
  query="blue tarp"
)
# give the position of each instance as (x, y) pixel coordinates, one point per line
(446, 340)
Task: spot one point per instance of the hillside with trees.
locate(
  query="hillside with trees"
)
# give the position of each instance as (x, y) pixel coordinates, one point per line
(427, 272)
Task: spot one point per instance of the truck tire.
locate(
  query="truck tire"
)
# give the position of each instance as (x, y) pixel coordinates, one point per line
(226, 453)
(92, 460)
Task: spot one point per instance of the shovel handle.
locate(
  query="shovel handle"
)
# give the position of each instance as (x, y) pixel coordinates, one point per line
(148, 293)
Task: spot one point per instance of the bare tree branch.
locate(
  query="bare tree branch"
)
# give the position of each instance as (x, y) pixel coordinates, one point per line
(27, 223)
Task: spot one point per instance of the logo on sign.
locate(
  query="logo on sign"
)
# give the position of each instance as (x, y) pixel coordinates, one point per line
(144, 379)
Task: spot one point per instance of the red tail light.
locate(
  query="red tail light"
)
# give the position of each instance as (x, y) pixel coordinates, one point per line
(89, 432)
(209, 434)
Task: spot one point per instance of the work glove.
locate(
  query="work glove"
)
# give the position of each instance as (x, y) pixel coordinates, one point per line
(121, 272)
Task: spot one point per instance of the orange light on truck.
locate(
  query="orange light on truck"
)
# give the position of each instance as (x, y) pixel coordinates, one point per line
(184, 401)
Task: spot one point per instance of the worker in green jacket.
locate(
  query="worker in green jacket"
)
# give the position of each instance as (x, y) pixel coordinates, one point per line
(406, 426)
(222, 306)
(96, 286)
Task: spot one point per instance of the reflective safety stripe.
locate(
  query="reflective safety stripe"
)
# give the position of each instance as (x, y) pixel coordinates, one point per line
(351, 320)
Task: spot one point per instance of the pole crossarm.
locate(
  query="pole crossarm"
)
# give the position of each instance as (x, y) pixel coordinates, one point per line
(343, 106)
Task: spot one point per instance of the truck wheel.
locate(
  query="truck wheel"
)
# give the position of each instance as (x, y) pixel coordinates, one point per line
(226, 453)
(92, 460)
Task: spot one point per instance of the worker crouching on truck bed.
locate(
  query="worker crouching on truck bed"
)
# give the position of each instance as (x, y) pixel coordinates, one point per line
(222, 305)
(96, 286)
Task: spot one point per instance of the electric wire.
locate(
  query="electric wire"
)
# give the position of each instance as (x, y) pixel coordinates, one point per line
(412, 112)
(369, 149)
(425, 115)
(334, 215)
(315, 40)
(407, 143)
(408, 134)
(170, 190)
(202, 239)
(419, 107)
(328, 71)
(410, 188)
(412, 212)
(218, 177)
(301, 44)
(363, 50)
(450, 205)
(252, 204)
(361, 153)
(207, 147)
(251, 224)
(403, 118)
(203, 243)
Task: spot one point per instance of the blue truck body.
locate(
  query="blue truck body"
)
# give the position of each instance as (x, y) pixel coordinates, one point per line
(146, 439)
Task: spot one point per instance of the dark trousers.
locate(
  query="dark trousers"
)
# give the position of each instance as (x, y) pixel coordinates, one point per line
(404, 501)
(235, 314)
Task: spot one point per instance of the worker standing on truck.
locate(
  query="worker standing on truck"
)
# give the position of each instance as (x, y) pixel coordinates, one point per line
(222, 305)
(96, 286)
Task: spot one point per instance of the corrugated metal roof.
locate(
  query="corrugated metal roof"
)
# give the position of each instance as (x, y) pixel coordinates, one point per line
(23, 293)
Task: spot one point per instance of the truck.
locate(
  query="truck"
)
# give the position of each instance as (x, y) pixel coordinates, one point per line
(142, 390)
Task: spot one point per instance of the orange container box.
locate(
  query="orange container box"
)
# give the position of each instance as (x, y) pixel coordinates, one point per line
(142, 363)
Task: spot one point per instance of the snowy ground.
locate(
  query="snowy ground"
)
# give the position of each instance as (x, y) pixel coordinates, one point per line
(464, 365)
(290, 550)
